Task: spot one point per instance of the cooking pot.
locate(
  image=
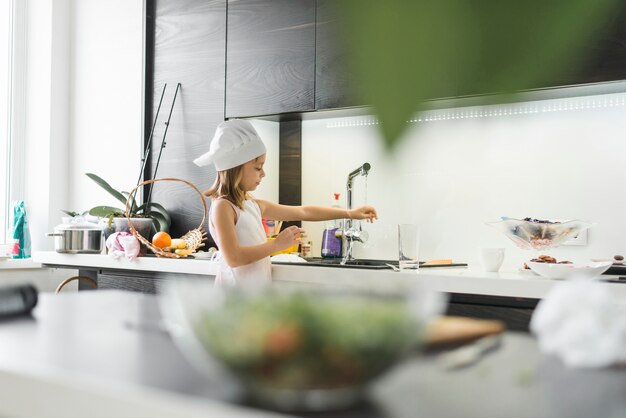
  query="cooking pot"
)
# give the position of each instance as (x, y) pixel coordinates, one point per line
(77, 237)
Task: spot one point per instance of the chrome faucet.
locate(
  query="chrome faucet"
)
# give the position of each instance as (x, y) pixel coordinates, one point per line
(350, 232)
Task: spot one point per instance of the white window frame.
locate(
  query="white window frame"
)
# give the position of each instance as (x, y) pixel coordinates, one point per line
(12, 138)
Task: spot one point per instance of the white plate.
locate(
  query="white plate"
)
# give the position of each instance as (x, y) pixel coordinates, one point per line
(569, 271)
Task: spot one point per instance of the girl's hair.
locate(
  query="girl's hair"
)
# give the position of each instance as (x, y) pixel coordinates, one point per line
(226, 186)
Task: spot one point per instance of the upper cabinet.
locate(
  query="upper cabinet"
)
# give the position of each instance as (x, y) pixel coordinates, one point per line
(289, 56)
(335, 85)
(270, 57)
(604, 59)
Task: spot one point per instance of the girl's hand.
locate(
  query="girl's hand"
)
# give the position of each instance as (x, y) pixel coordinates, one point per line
(363, 212)
(288, 237)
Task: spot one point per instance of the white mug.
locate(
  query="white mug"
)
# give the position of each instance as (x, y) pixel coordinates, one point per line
(492, 258)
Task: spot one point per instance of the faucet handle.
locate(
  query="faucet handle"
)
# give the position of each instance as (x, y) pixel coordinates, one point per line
(359, 235)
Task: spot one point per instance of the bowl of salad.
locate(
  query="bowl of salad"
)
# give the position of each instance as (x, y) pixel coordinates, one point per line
(298, 349)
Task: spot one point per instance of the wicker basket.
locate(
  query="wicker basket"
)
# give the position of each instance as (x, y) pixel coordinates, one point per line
(194, 238)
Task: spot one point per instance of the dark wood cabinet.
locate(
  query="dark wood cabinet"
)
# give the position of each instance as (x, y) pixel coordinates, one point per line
(601, 59)
(335, 83)
(515, 312)
(189, 48)
(270, 57)
(604, 59)
(141, 281)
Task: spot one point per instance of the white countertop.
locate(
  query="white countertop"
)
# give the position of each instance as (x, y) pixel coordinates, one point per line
(18, 263)
(107, 354)
(449, 280)
(155, 264)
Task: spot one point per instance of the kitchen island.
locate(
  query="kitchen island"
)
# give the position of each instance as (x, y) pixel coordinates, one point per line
(107, 353)
(472, 280)
(510, 296)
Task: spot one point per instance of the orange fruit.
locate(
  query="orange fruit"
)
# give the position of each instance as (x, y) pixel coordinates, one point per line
(161, 240)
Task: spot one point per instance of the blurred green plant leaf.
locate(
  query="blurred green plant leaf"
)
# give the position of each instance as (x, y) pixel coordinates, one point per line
(405, 52)
(154, 207)
(157, 212)
(160, 221)
(106, 186)
(105, 211)
(73, 213)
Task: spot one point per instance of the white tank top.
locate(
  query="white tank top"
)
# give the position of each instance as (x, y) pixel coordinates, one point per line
(249, 230)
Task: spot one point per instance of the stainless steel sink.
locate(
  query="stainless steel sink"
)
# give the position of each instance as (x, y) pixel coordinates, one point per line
(359, 263)
(336, 262)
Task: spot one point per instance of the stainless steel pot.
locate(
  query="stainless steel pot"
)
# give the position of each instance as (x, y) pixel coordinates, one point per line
(77, 238)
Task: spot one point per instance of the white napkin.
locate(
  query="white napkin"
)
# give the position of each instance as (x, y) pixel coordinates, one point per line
(123, 244)
(580, 322)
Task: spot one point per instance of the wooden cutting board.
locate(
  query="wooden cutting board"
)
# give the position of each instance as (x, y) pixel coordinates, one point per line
(457, 329)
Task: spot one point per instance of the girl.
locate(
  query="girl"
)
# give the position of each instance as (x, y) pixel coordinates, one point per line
(235, 217)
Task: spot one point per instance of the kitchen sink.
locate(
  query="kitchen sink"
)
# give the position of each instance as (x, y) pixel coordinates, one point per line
(336, 262)
(360, 263)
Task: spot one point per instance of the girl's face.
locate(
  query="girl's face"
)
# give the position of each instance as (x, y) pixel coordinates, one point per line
(252, 174)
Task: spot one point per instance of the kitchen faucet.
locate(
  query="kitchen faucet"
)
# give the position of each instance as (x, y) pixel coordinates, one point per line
(350, 232)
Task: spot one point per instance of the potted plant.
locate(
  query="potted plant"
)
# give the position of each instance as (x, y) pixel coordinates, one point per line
(142, 216)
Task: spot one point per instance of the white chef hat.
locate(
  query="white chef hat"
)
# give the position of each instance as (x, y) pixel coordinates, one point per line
(235, 142)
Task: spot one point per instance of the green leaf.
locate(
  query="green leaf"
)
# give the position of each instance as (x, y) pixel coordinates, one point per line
(105, 211)
(159, 221)
(133, 206)
(406, 52)
(106, 186)
(155, 207)
(71, 213)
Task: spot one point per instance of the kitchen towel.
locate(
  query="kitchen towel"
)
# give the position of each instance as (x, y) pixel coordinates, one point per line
(580, 322)
(123, 244)
(21, 231)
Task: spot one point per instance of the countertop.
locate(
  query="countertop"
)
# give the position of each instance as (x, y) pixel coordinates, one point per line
(470, 280)
(18, 264)
(105, 354)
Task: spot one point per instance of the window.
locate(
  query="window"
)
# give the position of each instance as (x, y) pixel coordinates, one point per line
(5, 99)
(12, 37)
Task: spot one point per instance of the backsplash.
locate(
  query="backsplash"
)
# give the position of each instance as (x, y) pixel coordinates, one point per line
(459, 168)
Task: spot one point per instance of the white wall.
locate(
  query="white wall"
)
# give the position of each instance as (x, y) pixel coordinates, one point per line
(268, 131)
(84, 98)
(45, 134)
(106, 119)
(458, 168)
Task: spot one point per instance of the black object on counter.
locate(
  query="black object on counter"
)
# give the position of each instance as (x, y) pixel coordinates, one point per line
(17, 300)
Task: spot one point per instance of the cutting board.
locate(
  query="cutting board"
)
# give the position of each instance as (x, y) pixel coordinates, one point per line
(456, 329)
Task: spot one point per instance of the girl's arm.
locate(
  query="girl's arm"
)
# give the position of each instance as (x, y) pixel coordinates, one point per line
(223, 217)
(275, 211)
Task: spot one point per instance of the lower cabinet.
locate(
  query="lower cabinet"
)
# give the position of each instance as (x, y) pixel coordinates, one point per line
(514, 312)
(144, 282)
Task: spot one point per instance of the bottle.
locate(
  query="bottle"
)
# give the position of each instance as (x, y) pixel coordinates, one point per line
(21, 231)
(332, 238)
(305, 246)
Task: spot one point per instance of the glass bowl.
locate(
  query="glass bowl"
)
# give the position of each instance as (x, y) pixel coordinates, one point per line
(304, 349)
(539, 235)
